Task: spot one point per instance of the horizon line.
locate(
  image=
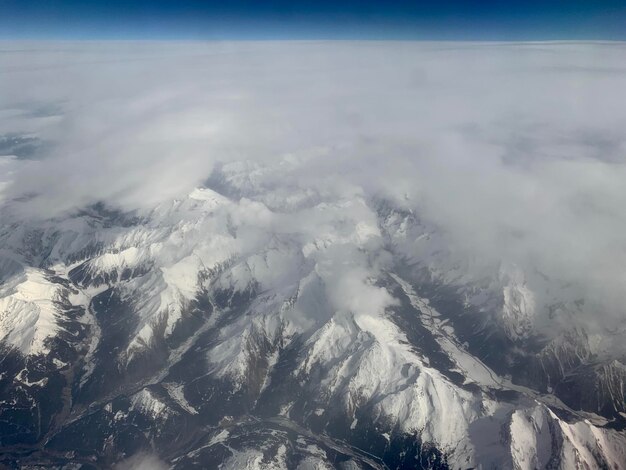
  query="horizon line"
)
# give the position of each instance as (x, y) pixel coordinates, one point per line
(312, 39)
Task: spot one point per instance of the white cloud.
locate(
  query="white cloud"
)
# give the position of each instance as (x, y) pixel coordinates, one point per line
(142, 461)
(515, 150)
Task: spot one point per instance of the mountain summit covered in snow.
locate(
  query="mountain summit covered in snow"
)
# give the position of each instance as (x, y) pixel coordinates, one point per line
(312, 256)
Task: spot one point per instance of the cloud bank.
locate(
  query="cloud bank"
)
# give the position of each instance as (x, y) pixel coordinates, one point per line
(515, 151)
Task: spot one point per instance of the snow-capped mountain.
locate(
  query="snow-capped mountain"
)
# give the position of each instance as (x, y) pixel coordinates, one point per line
(248, 325)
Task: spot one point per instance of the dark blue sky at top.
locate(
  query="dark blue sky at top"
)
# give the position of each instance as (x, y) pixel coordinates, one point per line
(322, 19)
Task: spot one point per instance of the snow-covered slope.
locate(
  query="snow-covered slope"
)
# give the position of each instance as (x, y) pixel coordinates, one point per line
(29, 310)
(329, 329)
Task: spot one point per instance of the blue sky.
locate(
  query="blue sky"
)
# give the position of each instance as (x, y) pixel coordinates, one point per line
(322, 19)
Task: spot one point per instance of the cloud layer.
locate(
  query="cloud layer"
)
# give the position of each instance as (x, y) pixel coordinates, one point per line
(516, 151)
